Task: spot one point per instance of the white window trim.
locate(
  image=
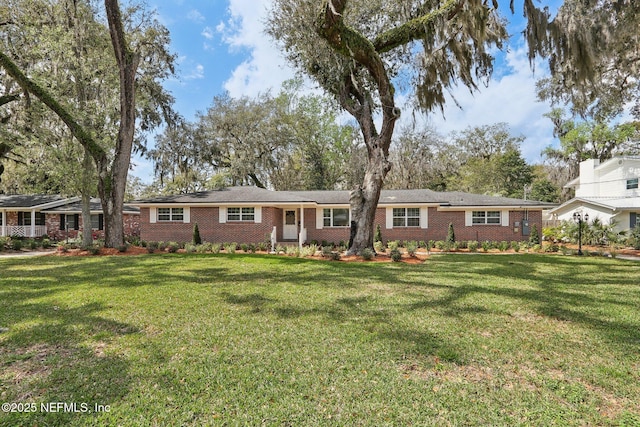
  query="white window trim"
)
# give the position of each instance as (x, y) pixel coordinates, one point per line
(423, 217)
(501, 217)
(332, 216)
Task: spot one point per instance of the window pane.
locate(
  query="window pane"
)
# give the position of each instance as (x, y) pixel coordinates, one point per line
(177, 214)
(493, 217)
(40, 218)
(248, 214)
(478, 217)
(399, 212)
(413, 222)
(233, 214)
(413, 212)
(340, 217)
(632, 184)
(164, 214)
(95, 222)
(399, 222)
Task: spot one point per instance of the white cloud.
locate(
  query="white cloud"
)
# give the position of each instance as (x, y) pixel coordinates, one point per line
(509, 98)
(196, 73)
(265, 68)
(195, 16)
(208, 33)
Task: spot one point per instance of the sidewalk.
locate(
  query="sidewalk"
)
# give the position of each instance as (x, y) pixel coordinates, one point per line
(26, 254)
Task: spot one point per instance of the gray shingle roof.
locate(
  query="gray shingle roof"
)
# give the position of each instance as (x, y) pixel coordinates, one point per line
(28, 201)
(95, 206)
(260, 195)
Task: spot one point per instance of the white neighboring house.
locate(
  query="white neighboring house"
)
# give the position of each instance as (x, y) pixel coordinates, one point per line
(608, 191)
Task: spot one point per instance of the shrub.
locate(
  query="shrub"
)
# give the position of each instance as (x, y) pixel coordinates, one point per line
(326, 251)
(440, 245)
(63, 247)
(473, 245)
(173, 247)
(244, 247)
(486, 245)
(335, 256)
(393, 245)
(152, 247)
(634, 237)
(293, 250)
(230, 248)
(534, 238)
(378, 246)
(190, 248)
(503, 246)
(215, 248)
(263, 246)
(412, 247)
(93, 249)
(123, 248)
(196, 234)
(378, 235)
(309, 250)
(32, 244)
(16, 244)
(4, 242)
(162, 246)
(451, 235)
(367, 254)
(515, 246)
(395, 254)
(46, 244)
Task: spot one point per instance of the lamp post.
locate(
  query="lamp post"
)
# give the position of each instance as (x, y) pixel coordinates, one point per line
(579, 219)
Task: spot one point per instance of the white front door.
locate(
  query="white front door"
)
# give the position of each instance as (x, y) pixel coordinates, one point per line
(290, 228)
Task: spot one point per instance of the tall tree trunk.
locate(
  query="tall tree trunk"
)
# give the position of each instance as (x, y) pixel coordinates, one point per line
(112, 185)
(87, 237)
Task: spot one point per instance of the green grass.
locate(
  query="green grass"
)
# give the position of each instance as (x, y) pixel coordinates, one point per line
(264, 340)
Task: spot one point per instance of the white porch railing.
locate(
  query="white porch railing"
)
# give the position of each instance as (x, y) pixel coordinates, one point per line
(24, 230)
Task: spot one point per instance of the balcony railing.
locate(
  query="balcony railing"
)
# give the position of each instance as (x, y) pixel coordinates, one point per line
(24, 230)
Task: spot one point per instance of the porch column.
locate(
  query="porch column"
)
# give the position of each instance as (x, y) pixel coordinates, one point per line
(301, 234)
(33, 223)
(4, 224)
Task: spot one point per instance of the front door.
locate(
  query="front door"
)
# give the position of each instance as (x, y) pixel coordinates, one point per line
(290, 229)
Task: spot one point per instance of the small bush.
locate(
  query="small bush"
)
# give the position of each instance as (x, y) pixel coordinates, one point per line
(46, 244)
(123, 248)
(335, 256)
(16, 244)
(244, 247)
(393, 245)
(162, 246)
(451, 235)
(379, 247)
(515, 246)
(215, 248)
(93, 249)
(32, 244)
(395, 254)
(503, 246)
(486, 245)
(367, 254)
(473, 245)
(230, 248)
(63, 247)
(152, 247)
(173, 247)
(190, 248)
(378, 235)
(412, 247)
(262, 246)
(534, 238)
(196, 235)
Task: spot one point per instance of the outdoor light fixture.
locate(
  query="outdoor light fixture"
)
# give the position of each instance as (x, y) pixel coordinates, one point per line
(579, 219)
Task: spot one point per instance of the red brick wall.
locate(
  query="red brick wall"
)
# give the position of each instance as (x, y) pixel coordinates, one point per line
(209, 226)
(52, 221)
(248, 232)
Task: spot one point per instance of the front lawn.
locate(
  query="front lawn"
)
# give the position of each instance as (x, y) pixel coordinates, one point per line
(185, 339)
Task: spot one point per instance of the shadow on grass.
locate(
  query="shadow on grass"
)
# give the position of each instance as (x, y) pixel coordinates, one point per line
(51, 352)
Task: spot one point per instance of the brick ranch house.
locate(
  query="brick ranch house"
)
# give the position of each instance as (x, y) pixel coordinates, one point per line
(251, 215)
(55, 216)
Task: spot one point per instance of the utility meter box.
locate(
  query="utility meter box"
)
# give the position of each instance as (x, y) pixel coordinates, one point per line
(526, 229)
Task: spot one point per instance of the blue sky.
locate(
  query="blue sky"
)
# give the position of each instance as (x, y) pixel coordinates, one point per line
(221, 46)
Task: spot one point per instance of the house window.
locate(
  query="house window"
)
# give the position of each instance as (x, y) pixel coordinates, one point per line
(335, 217)
(486, 217)
(169, 214)
(632, 184)
(97, 222)
(241, 214)
(72, 221)
(24, 218)
(406, 217)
